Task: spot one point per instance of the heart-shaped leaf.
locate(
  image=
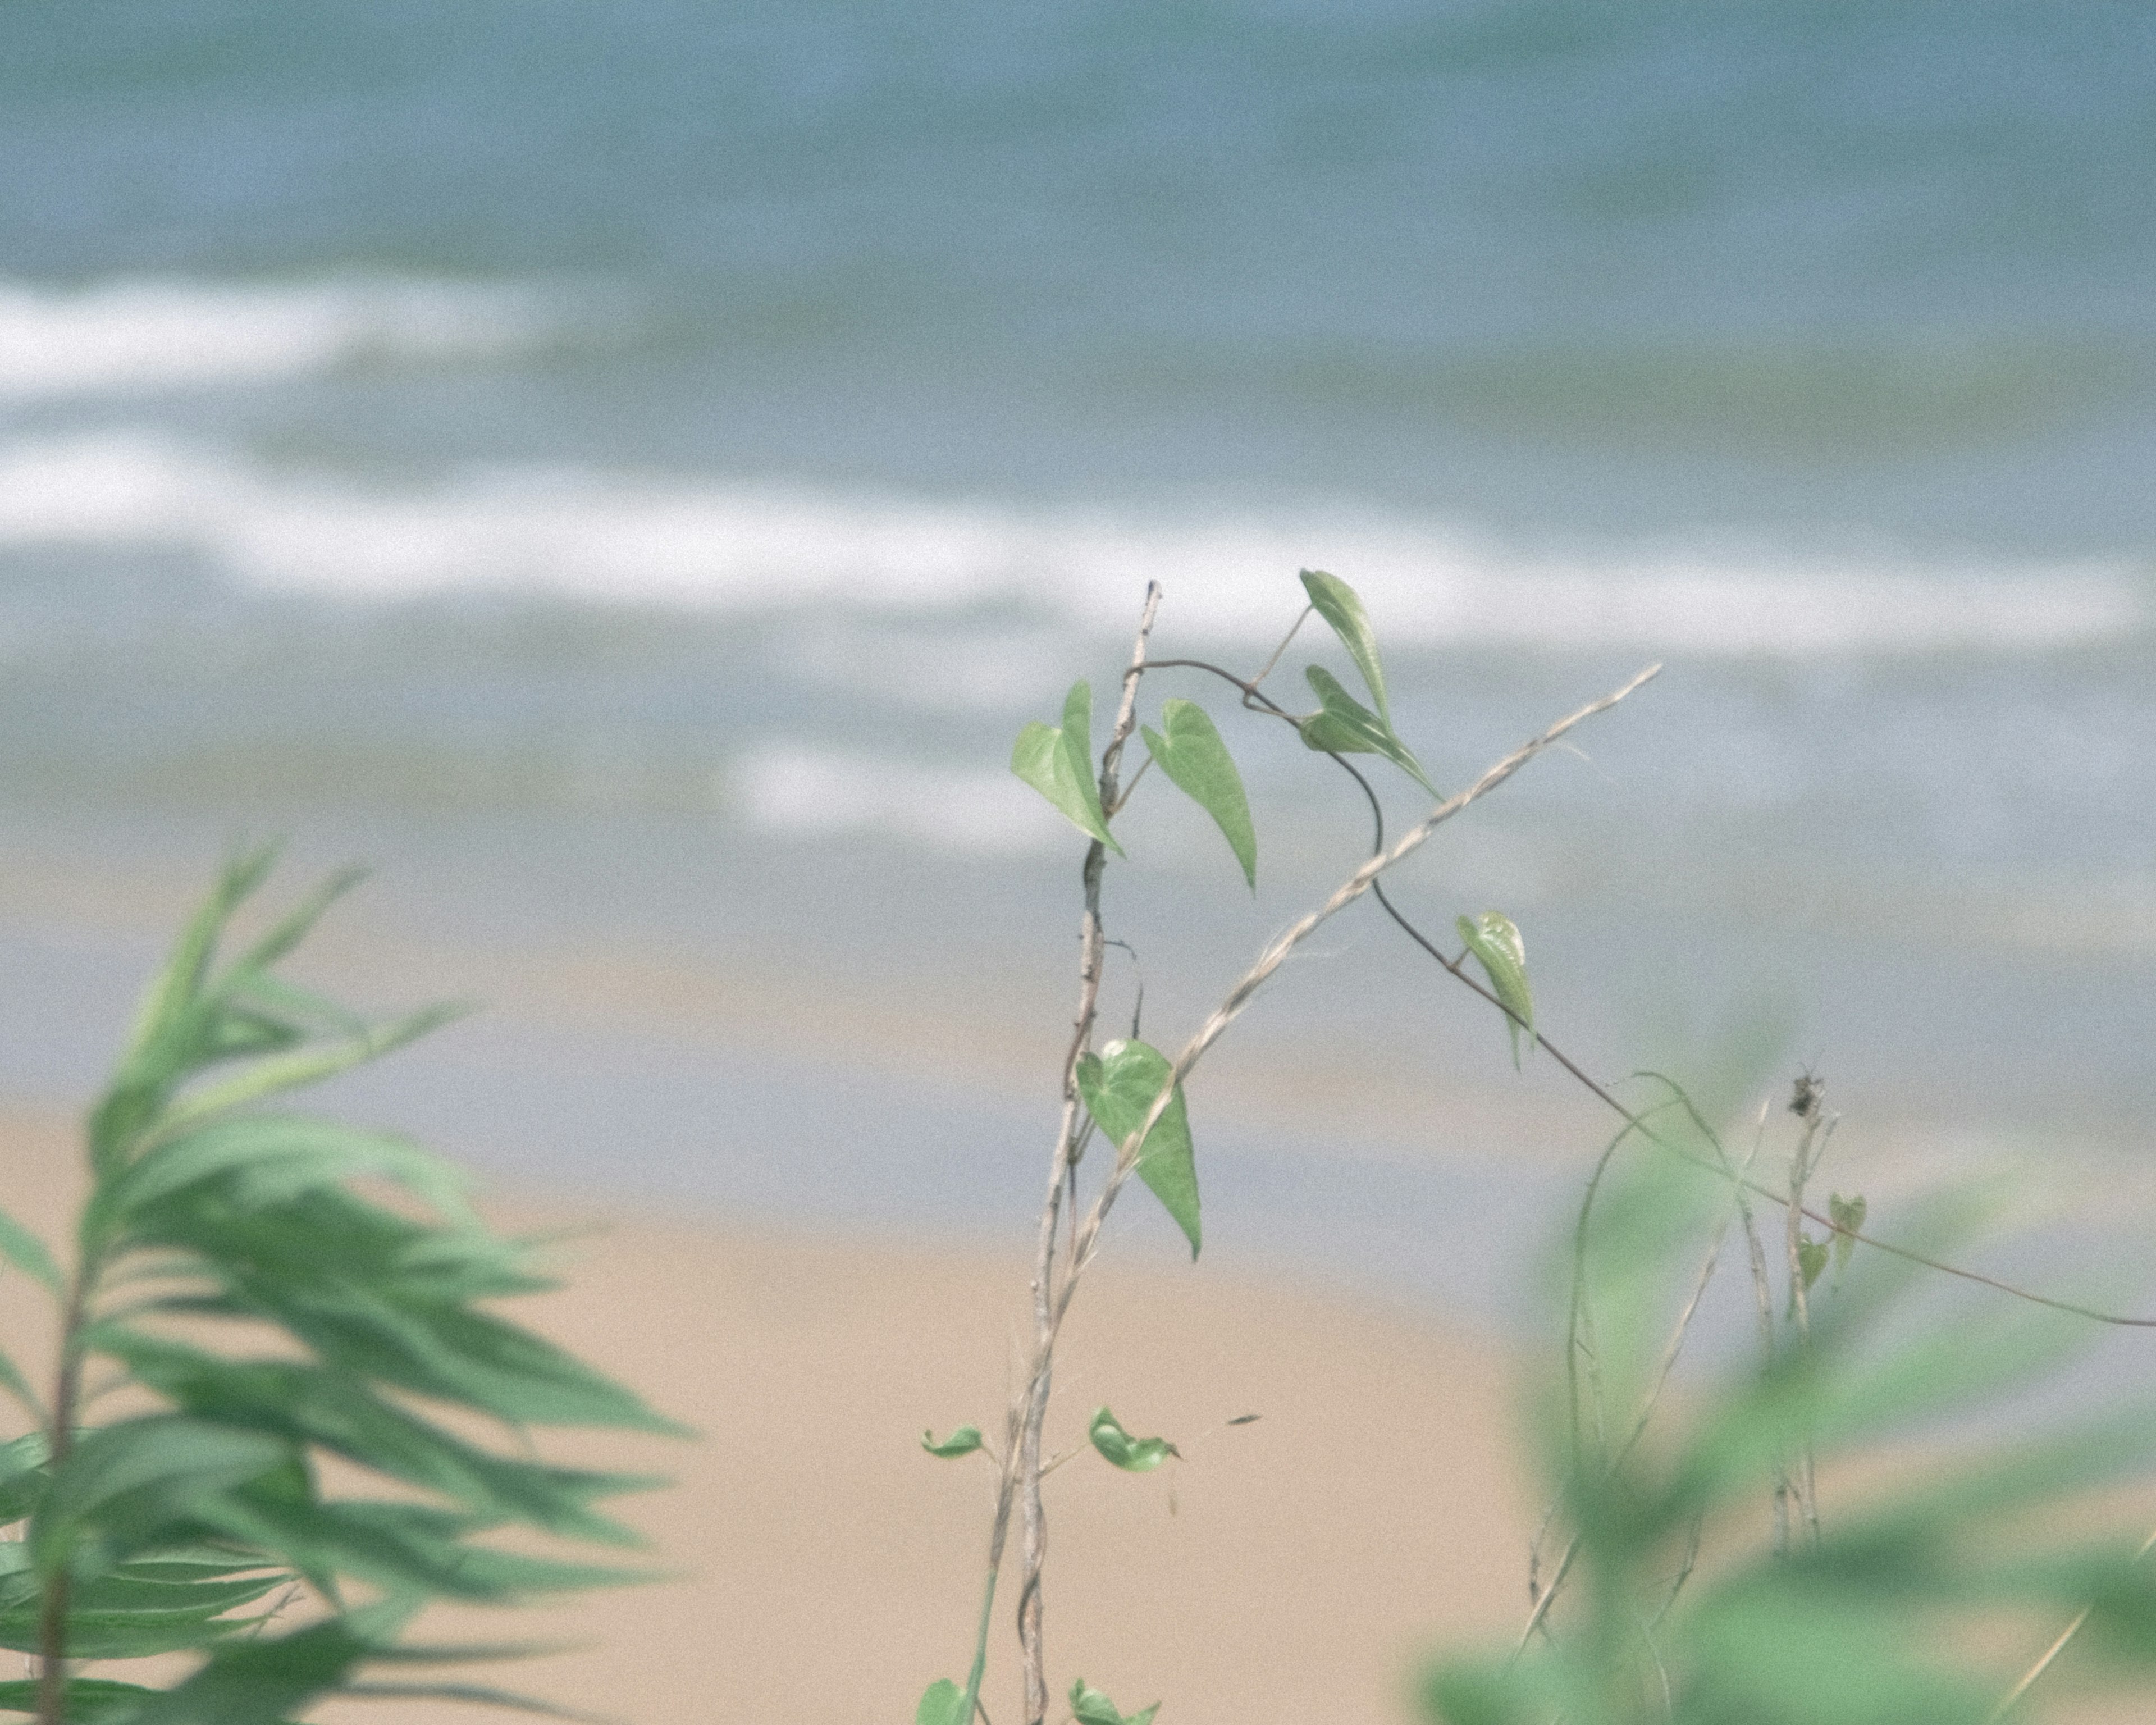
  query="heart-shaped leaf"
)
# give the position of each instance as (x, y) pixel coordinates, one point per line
(1119, 1086)
(1089, 1707)
(1811, 1259)
(940, 1705)
(1493, 939)
(1339, 605)
(1347, 727)
(963, 1441)
(1194, 759)
(1058, 762)
(1131, 1454)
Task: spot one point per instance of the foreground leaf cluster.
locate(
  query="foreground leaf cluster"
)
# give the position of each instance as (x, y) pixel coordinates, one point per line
(263, 1315)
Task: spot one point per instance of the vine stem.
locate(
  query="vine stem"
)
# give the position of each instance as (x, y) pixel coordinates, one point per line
(1259, 702)
(1023, 1469)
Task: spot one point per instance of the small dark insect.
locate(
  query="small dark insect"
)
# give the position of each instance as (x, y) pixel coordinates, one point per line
(1805, 1096)
(1245, 1419)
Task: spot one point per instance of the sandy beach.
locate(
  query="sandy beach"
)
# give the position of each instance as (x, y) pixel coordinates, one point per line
(825, 1569)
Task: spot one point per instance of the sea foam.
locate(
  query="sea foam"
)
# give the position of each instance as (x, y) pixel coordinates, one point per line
(714, 544)
(147, 335)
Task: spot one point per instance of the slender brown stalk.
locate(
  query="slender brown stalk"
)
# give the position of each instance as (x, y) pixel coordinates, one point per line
(1023, 1470)
(1819, 1127)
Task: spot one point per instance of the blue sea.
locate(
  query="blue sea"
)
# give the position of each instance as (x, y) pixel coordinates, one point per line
(628, 469)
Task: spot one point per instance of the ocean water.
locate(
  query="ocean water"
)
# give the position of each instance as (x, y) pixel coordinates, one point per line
(630, 469)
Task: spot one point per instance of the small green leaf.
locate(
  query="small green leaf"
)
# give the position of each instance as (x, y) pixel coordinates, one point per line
(303, 1067)
(1120, 1085)
(1845, 1213)
(1811, 1259)
(1195, 759)
(1089, 1707)
(1494, 939)
(963, 1441)
(1347, 727)
(1340, 606)
(940, 1705)
(1131, 1454)
(1059, 764)
(27, 1252)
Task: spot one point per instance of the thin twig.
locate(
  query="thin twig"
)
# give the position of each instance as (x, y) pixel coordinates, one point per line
(1051, 1294)
(2058, 1646)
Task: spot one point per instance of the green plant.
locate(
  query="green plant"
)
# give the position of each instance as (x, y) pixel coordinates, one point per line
(248, 1312)
(1924, 1592)
(1131, 1092)
(1828, 1624)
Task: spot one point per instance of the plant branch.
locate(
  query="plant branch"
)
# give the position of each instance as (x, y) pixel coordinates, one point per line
(1277, 953)
(1259, 702)
(1022, 1472)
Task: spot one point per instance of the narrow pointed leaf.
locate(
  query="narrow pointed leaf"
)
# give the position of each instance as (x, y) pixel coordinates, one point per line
(27, 1252)
(1058, 763)
(175, 987)
(303, 1067)
(1342, 609)
(13, 1380)
(1131, 1454)
(1496, 943)
(963, 1441)
(260, 1681)
(1347, 727)
(1119, 1086)
(90, 1701)
(274, 1158)
(1193, 756)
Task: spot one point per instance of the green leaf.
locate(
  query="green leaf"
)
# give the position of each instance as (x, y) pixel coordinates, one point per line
(941, 1704)
(23, 1476)
(1197, 762)
(304, 1404)
(261, 1682)
(133, 1479)
(1089, 1707)
(90, 1701)
(274, 1158)
(1494, 939)
(1131, 1454)
(1058, 762)
(1811, 1259)
(963, 1441)
(1347, 727)
(1340, 606)
(18, 1386)
(1120, 1085)
(303, 1067)
(27, 1253)
(1845, 1213)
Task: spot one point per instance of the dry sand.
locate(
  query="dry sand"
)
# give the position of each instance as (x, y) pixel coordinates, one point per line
(1294, 1569)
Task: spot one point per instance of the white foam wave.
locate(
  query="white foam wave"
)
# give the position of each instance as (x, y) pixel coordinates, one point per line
(620, 538)
(137, 336)
(809, 793)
